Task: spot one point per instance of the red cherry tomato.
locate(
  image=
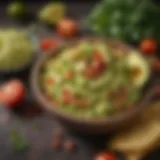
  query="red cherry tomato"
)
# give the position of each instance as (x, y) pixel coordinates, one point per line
(105, 156)
(148, 46)
(67, 28)
(48, 44)
(12, 92)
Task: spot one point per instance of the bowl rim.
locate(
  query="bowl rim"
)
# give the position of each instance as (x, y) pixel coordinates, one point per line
(52, 107)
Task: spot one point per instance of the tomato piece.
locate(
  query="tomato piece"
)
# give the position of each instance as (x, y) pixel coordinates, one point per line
(67, 96)
(156, 65)
(81, 103)
(48, 44)
(148, 46)
(50, 81)
(98, 55)
(69, 75)
(89, 72)
(105, 156)
(67, 28)
(12, 92)
(98, 65)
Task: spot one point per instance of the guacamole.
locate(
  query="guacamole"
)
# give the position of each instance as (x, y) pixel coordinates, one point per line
(94, 80)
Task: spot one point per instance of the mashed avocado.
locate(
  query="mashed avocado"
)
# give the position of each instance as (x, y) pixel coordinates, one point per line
(16, 49)
(92, 80)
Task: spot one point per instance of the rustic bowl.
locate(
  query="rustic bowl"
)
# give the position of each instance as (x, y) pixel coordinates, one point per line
(88, 126)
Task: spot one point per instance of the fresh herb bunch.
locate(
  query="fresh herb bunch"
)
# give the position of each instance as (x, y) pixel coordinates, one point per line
(127, 20)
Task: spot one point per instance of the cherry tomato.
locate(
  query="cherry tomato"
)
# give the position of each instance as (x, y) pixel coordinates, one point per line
(67, 28)
(48, 44)
(148, 46)
(12, 92)
(105, 156)
(156, 65)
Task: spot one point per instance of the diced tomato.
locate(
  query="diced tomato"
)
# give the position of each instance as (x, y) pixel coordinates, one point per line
(148, 46)
(82, 103)
(67, 96)
(89, 72)
(12, 92)
(68, 99)
(50, 81)
(98, 65)
(48, 44)
(69, 75)
(105, 156)
(98, 55)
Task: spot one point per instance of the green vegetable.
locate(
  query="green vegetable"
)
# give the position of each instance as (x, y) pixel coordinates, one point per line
(19, 143)
(16, 9)
(52, 13)
(127, 20)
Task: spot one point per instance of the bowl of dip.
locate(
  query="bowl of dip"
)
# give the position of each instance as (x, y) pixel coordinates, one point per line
(92, 85)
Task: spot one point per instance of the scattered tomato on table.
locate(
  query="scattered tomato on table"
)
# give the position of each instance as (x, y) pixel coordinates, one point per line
(12, 92)
(67, 28)
(47, 44)
(148, 46)
(105, 156)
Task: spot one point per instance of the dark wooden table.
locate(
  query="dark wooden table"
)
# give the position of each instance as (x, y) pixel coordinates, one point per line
(39, 129)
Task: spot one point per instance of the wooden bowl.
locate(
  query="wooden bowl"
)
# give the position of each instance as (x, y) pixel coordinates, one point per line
(87, 126)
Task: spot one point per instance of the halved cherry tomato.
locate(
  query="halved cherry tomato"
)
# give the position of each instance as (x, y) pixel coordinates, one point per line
(148, 46)
(105, 156)
(12, 92)
(48, 44)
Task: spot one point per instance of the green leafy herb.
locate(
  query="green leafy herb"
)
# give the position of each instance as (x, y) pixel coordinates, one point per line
(19, 143)
(127, 20)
